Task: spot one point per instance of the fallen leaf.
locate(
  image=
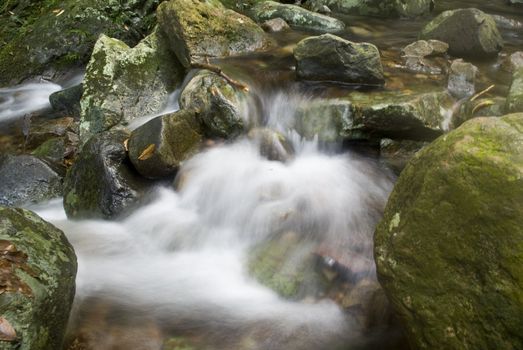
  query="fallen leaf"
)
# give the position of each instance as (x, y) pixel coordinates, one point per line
(126, 145)
(482, 105)
(147, 152)
(7, 332)
(60, 13)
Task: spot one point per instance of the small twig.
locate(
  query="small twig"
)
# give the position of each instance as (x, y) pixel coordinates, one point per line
(481, 93)
(218, 70)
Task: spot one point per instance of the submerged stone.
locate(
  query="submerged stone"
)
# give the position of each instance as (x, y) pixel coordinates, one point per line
(158, 147)
(38, 281)
(296, 16)
(469, 33)
(101, 182)
(199, 30)
(331, 58)
(272, 144)
(27, 179)
(122, 83)
(397, 153)
(217, 102)
(449, 250)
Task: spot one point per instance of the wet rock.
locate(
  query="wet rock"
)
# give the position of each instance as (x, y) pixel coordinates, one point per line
(516, 61)
(273, 145)
(52, 150)
(424, 48)
(198, 30)
(275, 25)
(122, 83)
(462, 79)
(101, 182)
(386, 8)
(50, 38)
(482, 107)
(67, 101)
(26, 179)
(418, 56)
(448, 250)
(515, 95)
(331, 58)
(396, 154)
(296, 16)
(217, 103)
(507, 23)
(469, 32)
(38, 281)
(43, 130)
(174, 138)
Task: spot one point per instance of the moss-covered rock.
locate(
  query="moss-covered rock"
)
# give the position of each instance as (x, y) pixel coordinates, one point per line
(52, 36)
(449, 250)
(28, 179)
(198, 30)
(296, 16)
(101, 182)
(217, 102)
(515, 95)
(123, 83)
(52, 150)
(158, 147)
(331, 58)
(380, 8)
(469, 33)
(37, 282)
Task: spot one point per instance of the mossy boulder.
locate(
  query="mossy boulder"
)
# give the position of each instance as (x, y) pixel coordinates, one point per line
(469, 33)
(331, 58)
(296, 16)
(449, 250)
(122, 83)
(379, 8)
(515, 96)
(102, 183)
(199, 30)
(217, 102)
(38, 281)
(50, 37)
(158, 147)
(27, 179)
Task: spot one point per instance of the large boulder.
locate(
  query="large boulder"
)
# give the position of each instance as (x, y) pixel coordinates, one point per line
(158, 147)
(122, 83)
(331, 58)
(37, 282)
(101, 182)
(515, 95)
(296, 16)
(381, 8)
(217, 102)
(26, 179)
(50, 37)
(198, 30)
(469, 33)
(449, 251)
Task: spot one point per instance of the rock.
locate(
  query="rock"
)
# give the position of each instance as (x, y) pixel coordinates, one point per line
(516, 61)
(415, 56)
(515, 95)
(38, 281)
(123, 83)
(198, 30)
(462, 79)
(331, 58)
(386, 8)
(217, 103)
(449, 248)
(424, 48)
(469, 33)
(67, 101)
(396, 154)
(507, 23)
(273, 145)
(52, 150)
(275, 25)
(296, 16)
(175, 137)
(39, 41)
(101, 183)
(42, 130)
(26, 179)
(482, 107)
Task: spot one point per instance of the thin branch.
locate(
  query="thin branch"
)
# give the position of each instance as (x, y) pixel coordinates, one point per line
(218, 70)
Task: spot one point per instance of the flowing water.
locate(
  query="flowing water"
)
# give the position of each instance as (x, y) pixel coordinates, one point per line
(180, 265)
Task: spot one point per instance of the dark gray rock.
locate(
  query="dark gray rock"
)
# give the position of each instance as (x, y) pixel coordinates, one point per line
(28, 179)
(462, 79)
(331, 58)
(67, 101)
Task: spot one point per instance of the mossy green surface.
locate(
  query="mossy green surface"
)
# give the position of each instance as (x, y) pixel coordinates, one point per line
(38, 314)
(515, 96)
(449, 250)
